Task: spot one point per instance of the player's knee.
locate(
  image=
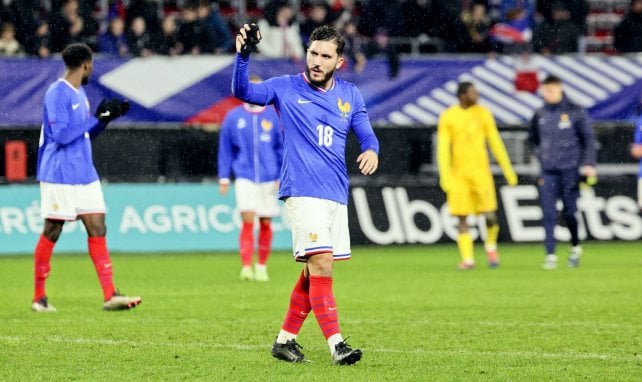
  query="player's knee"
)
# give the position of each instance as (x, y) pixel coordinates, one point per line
(321, 264)
(52, 230)
(97, 230)
(491, 218)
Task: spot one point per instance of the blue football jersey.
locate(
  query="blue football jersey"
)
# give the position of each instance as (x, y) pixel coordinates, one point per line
(64, 152)
(250, 145)
(315, 124)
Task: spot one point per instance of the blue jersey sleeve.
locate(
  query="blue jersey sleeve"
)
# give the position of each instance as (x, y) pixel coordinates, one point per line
(361, 126)
(637, 136)
(225, 148)
(57, 104)
(254, 93)
(586, 136)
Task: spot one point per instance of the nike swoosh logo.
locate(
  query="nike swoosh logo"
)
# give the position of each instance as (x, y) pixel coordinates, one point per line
(301, 101)
(303, 313)
(335, 308)
(75, 106)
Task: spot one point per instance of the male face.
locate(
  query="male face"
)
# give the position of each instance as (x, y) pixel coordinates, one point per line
(552, 93)
(472, 96)
(321, 62)
(87, 67)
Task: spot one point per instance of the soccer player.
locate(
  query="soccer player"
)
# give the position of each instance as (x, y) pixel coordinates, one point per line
(463, 131)
(69, 185)
(317, 111)
(563, 140)
(251, 146)
(636, 152)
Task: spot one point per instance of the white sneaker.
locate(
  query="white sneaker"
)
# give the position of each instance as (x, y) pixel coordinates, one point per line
(247, 274)
(550, 262)
(120, 302)
(260, 273)
(574, 257)
(42, 306)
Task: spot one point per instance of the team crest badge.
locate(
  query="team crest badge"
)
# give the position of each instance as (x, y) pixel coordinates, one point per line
(344, 108)
(266, 125)
(313, 237)
(565, 121)
(55, 207)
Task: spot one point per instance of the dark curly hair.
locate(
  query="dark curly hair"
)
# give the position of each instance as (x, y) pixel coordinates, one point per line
(328, 33)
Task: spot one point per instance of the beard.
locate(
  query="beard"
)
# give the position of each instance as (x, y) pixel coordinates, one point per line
(327, 77)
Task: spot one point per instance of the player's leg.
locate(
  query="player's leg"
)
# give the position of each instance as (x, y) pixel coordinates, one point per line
(90, 207)
(247, 196)
(42, 264)
(265, 246)
(492, 232)
(549, 185)
(460, 204)
(570, 194)
(267, 208)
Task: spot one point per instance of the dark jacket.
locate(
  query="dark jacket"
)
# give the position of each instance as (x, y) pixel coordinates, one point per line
(562, 137)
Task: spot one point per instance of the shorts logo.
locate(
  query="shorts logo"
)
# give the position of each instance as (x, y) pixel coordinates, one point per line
(344, 108)
(313, 237)
(266, 125)
(55, 206)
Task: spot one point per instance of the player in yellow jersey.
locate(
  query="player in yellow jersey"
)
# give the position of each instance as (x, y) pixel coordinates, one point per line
(463, 134)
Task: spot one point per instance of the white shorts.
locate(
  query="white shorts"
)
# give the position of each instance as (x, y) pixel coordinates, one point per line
(260, 198)
(640, 192)
(67, 201)
(318, 226)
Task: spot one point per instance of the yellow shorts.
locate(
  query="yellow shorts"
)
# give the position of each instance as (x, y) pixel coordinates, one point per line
(472, 195)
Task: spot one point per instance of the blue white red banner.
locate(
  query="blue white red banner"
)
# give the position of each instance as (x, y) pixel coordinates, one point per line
(197, 88)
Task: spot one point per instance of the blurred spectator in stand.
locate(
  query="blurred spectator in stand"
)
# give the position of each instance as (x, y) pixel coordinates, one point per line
(167, 43)
(39, 43)
(280, 31)
(353, 49)
(578, 11)
(112, 42)
(139, 40)
(628, 34)
(449, 27)
(149, 10)
(515, 30)
(194, 35)
(478, 23)
(9, 46)
(344, 11)
(22, 14)
(382, 21)
(319, 15)
(211, 16)
(557, 36)
(418, 18)
(68, 27)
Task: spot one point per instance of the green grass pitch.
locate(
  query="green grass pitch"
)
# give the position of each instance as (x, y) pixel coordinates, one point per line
(411, 312)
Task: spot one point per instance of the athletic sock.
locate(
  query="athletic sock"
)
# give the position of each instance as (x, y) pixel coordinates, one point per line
(465, 245)
(297, 311)
(265, 241)
(323, 305)
(100, 257)
(246, 244)
(492, 232)
(42, 266)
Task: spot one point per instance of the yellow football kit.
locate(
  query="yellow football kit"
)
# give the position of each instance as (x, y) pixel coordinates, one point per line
(462, 157)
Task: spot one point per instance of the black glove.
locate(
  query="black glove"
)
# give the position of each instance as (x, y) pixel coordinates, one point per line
(108, 110)
(253, 38)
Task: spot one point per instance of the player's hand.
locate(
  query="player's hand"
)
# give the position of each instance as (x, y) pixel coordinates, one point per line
(247, 38)
(368, 162)
(636, 151)
(588, 171)
(223, 188)
(108, 110)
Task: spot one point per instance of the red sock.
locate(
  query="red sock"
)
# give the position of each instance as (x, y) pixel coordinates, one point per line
(265, 241)
(323, 305)
(42, 266)
(299, 306)
(246, 244)
(100, 256)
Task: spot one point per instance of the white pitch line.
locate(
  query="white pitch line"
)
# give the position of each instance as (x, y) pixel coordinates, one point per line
(205, 345)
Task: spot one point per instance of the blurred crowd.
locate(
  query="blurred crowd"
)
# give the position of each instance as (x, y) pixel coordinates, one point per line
(125, 28)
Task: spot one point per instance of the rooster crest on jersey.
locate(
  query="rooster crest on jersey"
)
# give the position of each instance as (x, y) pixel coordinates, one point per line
(313, 237)
(266, 125)
(344, 107)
